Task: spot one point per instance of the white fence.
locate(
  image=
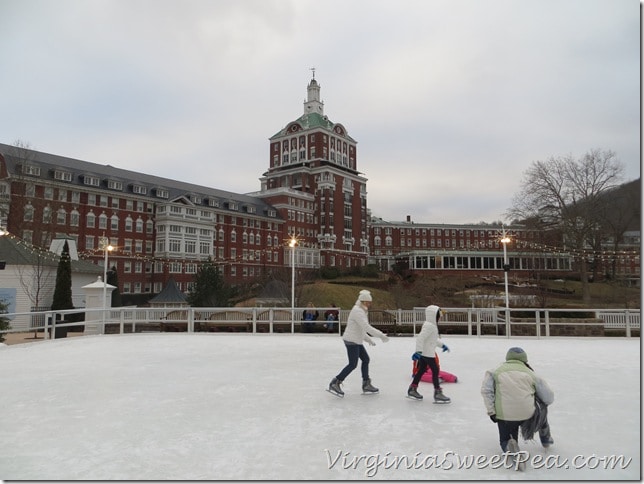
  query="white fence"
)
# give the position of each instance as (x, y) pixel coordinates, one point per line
(473, 321)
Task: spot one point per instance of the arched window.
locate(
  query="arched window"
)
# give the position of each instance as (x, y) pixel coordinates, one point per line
(74, 218)
(29, 213)
(61, 217)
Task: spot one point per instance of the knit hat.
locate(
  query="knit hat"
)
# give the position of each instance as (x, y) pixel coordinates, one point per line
(364, 295)
(516, 353)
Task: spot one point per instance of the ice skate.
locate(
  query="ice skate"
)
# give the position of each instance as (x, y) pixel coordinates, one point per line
(412, 392)
(440, 398)
(545, 437)
(513, 451)
(368, 388)
(334, 387)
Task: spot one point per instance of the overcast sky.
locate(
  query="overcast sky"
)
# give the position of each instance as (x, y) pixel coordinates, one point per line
(449, 101)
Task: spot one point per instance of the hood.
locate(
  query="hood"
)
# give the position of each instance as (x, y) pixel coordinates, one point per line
(516, 353)
(431, 313)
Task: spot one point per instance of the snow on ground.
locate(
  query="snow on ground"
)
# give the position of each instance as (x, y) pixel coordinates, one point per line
(242, 406)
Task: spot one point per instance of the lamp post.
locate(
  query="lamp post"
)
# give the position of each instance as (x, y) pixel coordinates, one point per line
(505, 240)
(105, 243)
(292, 243)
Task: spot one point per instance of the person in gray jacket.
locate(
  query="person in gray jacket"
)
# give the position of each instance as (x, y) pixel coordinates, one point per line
(355, 334)
(514, 394)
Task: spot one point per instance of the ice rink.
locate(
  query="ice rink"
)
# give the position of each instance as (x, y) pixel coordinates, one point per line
(178, 406)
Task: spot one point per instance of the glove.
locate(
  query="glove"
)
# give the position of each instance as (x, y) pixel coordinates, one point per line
(416, 356)
(372, 343)
(445, 348)
(384, 338)
(493, 418)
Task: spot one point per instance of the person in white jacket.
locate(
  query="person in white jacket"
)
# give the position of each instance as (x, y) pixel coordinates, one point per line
(513, 394)
(426, 343)
(358, 331)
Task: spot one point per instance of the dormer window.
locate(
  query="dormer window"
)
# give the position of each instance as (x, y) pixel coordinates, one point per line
(115, 185)
(91, 180)
(139, 189)
(213, 202)
(62, 175)
(31, 170)
(233, 205)
(162, 193)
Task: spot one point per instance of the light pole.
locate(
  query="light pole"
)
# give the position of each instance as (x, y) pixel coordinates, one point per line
(292, 243)
(105, 243)
(505, 240)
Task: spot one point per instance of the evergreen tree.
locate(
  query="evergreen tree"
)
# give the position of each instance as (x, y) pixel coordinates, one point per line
(4, 322)
(63, 290)
(113, 280)
(209, 289)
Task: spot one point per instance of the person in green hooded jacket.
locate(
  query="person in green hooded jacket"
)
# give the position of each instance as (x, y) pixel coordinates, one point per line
(512, 393)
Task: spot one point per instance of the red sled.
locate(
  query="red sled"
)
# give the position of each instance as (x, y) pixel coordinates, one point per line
(443, 376)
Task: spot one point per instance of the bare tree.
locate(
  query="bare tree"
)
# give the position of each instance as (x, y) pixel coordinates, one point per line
(567, 194)
(621, 213)
(35, 279)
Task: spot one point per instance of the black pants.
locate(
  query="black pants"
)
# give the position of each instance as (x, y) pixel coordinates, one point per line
(424, 363)
(510, 429)
(355, 352)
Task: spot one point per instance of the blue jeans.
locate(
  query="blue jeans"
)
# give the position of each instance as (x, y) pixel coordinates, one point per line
(355, 352)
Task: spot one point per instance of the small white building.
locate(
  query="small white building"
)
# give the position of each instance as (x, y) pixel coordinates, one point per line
(28, 277)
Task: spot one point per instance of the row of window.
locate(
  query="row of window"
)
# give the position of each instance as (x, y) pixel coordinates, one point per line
(377, 242)
(93, 199)
(444, 232)
(537, 262)
(90, 180)
(90, 220)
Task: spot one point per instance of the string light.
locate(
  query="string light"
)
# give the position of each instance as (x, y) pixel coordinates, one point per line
(624, 256)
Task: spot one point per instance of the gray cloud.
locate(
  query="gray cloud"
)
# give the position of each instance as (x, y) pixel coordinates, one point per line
(450, 101)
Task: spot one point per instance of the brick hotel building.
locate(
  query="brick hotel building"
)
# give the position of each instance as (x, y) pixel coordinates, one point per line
(312, 190)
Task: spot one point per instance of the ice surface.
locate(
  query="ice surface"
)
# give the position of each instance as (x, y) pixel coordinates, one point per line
(243, 406)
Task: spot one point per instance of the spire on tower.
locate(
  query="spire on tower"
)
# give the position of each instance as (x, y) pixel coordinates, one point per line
(313, 103)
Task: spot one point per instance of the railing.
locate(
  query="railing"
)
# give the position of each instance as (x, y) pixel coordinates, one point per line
(470, 321)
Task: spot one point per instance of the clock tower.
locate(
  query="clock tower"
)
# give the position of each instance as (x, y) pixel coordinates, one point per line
(314, 183)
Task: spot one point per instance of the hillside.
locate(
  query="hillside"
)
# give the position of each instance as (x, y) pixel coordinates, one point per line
(456, 292)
